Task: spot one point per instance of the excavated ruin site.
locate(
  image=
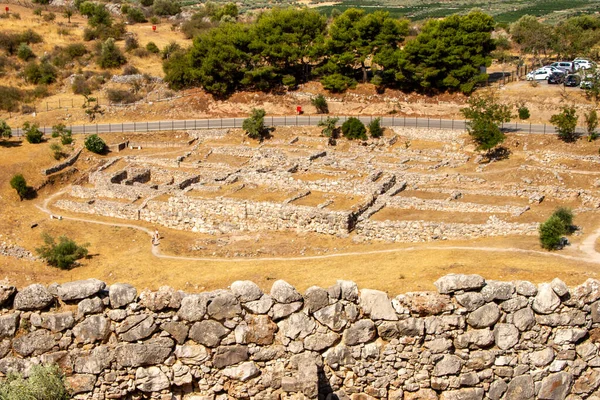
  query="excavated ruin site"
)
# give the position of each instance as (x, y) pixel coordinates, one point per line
(412, 185)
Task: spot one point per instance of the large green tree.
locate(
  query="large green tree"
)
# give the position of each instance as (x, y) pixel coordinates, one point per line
(484, 115)
(448, 54)
(533, 37)
(355, 36)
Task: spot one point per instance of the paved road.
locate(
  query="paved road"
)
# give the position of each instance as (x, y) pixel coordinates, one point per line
(292, 120)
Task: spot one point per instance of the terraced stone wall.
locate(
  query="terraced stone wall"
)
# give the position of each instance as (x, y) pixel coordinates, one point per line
(469, 340)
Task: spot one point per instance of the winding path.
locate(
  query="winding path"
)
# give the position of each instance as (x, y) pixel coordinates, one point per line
(586, 246)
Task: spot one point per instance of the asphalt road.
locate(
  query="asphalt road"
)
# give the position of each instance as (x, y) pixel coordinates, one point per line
(292, 120)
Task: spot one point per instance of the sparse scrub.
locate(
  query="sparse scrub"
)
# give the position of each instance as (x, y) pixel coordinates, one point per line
(152, 48)
(32, 133)
(591, 123)
(80, 85)
(375, 129)
(45, 382)
(110, 55)
(565, 124)
(9, 98)
(5, 131)
(166, 7)
(64, 254)
(320, 104)
(57, 151)
(60, 130)
(121, 96)
(24, 52)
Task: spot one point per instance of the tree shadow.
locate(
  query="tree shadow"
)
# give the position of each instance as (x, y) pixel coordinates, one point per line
(10, 144)
(30, 193)
(498, 154)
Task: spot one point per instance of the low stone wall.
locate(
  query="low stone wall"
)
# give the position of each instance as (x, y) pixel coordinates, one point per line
(67, 163)
(426, 231)
(470, 340)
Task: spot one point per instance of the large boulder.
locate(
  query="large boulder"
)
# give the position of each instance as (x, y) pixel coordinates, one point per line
(230, 355)
(454, 282)
(497, 290)
(297, 326)
(136, 327)
(93, 328)
(223, 305)
(524, 319)
(546, 300)
(208, 332)
(321, 341)
(246, 291)
(376, 305)
(485, 316)
(506, 336)
(193, 307)
(520, 388)
(33, 297)
(80, 383)
(178, 330)
(315, 298)
(283, 292)
(332, 316)
(448, 365)
(78, 290)
(93, 362)
(58, 322)
(36, 343)
(121, 294)
(151, 352)
(555, 386)
(165, 298)
(361, 331)
(260, 329)
(470, 300)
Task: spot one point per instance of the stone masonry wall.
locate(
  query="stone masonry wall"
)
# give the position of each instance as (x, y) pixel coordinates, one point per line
(471, 339)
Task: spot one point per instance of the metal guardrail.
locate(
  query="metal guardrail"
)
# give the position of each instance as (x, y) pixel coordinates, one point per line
(293, 120)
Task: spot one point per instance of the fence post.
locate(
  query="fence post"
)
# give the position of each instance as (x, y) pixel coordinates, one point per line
(121, 127)
(96, 128)
(530, 128)
(172, 126)
(440, 122)
(393, 121)
(134, 126)
(46, 106)
(72, 106)
(452, 123)
(544, 128)
(58, 103)
(427, 122)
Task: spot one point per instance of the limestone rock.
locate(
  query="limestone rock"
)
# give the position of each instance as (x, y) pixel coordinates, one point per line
(223, 305)
(181, 374)
(36, 343)
(80, 383)
(321, 341)
(426, 303)
(361, 331)
(8, 325)
(261, 330)
(78, 290)
(121, 294)
(6, 293)
(243, 372)
(506, 336)
(315, 298)
(93, 362)
(470, 300)
(455, 282)
(348, 290)
(297, 326)
(497, 389)
(229, 355)
(525, 288)
(332, 316)
(520, 388)
(555, 386)
(546, 301)
(208, 333)
(150, 352)
(421, 394)
(587, 382)
(151, 379)
(33, 297)
(165, 298)
(377, 305)
(524, 319)
(440, 345)
(193, 307)
(448, 365)
(260, 306)
(58, 322)
(496, 290)
(178, 330)
(283, 292)
(485, 316)
(463, 394)
(543, 357)
(136, 327)
(566, 336)
(246, 291)
(88, 306)
(93, 328)
(192, 354)
(559, 287)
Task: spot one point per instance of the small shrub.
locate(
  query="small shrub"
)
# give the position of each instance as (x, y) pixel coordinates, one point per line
(140, 52)
(62, 31)
(523, 112)
(49, 17)
(9, 98)
(152, 48)
(166, 7)
(19, 183)
(57, 151)
(44, 73)
(63, 254)
(130, 70)
(566, 216)
(255, 125)
(33, 133)
(353, 128)
(131, 43)
(44, 382)
(60, 130)
(80, 85)
(375, 129)
(5, 131)
(565, 124)
(135, 15)
(95, 144)
(37, 11)
(110, 55)
(591, 123)
(337, 83)
(170, 49)
(121, 96)
(320, 104)
(154, 20)
(551, 233)
(330, 129)
(147, 3)
(40, 91)
(75, 50)
(24, 52)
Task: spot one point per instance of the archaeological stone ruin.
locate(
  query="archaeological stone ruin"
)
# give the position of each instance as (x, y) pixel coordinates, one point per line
(383, 189)
(469, 340)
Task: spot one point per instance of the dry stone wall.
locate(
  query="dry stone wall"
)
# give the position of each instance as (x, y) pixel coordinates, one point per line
(469, 340)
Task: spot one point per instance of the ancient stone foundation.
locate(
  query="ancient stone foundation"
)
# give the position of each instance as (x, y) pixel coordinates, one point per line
(470, 340)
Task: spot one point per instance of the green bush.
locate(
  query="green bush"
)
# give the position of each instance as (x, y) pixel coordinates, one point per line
(289, 82)
(566, 216)
(121, 96)
(565, 124)
(49, 17)
(80, 85)
(551, 233)
(63, 254)
(170, 49)
(110, 55)
(24, 52)
(353, 128)
(9, 98)
(131, 43)
(95, 144)
(45, 382)
(166, 7)
(57, 151)
(75, 50)
(135, 15)
(44, 73)
(33, 133)
(19, 183)
(375, 129)
(5, 131)
(320, 104)
(523, 112)
(337, 83)
(147, 3)
(152, 48)
(255, 125)
(60, 130)
(591, 123)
